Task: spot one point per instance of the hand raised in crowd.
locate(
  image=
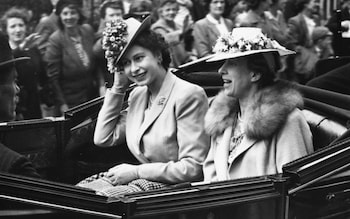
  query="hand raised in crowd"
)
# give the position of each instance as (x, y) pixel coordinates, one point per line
(122, 174)
(29, 41)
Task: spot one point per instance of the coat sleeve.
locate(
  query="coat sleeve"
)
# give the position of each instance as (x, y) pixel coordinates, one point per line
(294, 140)
(193, 143)
(110, 126)
(53, 59)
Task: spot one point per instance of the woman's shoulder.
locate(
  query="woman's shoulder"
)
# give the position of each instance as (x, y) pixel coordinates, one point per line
(202, 22)
(188, 89)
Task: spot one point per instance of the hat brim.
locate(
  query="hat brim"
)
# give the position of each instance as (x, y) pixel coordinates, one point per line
(13, 61)
(145, 23)
(224, 56)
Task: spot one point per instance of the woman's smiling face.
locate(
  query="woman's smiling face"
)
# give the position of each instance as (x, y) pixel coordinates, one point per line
(69, 17)
(141, 65)
(168, 11)
(236, 76)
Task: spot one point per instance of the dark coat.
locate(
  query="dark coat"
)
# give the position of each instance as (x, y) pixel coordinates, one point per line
(72, 81)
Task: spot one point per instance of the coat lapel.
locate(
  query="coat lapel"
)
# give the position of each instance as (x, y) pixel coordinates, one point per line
(135, 119)
(244, 146)
(158, 104)
(212, 28)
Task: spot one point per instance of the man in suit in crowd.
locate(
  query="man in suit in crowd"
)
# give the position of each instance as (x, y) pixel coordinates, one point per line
(10, 161)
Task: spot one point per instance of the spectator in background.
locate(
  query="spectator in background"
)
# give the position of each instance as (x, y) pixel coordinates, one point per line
(322, 40)
(208, 29)
(300, 29)
(141, 9)
(14, 22)
(11, 161)
(237, 8)
(46, 26)
(184, 13)
(341, 44)
(172, 32)
(109, 10)
(69, 57)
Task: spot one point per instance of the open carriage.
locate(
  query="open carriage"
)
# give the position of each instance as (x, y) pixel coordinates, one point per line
(314, 186)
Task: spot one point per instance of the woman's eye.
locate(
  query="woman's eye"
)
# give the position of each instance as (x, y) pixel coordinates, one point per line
(139, 58)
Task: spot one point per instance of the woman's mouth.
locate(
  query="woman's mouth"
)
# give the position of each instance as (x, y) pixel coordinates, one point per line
(138, 76)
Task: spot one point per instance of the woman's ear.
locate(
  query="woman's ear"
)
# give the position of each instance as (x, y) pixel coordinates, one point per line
(255, 76)
(159, 57)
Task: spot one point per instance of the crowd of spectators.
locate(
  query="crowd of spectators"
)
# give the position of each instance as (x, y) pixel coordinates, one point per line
(68, 67)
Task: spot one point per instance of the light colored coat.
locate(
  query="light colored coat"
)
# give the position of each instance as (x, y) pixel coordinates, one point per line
(205, 34)
(276, 133)
(170, 141)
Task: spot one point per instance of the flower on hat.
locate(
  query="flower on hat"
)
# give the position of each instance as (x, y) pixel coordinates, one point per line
(232, 43)
(113, 42)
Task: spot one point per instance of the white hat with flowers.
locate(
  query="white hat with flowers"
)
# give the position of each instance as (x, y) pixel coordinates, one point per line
(243, 41)
(118, 35)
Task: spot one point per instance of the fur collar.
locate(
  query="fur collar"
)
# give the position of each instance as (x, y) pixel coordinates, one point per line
(267, 112)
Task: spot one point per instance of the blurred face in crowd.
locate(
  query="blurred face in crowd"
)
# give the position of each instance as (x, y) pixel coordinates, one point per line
(312, 6)
(325, 43)
(69, 17)
(169, 11)
(54, 2)
(217, 7)
(282, 4)
(265, 4)
(236, 77)
(8, 96)
(113, 14)
(141, 66)
(16, 30)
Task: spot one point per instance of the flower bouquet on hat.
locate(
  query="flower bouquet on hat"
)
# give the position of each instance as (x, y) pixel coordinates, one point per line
(118, 35)
(244, 41)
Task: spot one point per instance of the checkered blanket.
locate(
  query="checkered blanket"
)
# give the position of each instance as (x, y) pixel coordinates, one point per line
(103, 186)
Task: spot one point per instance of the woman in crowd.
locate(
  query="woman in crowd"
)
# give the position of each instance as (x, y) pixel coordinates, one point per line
(207, 30)
(255, 123)
(69, 57)
(163, 125)
(14, 22)
(171, 31)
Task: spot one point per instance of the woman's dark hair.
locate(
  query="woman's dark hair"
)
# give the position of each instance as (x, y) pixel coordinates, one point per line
(72, 5)
(155, 43)
(253, 4)
(259, 64)
(115, 4)
(13, 13)
(206, 4)
(300, 5)
(141, 9)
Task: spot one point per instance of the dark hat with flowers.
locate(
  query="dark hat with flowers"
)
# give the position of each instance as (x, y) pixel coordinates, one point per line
(118, 36)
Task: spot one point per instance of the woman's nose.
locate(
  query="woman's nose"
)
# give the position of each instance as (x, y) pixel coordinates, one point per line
(133, 67)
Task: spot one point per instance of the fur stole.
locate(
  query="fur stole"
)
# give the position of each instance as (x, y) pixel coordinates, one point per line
(267, 111)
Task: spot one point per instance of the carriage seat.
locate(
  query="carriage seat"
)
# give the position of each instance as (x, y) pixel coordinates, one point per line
(324, 130)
